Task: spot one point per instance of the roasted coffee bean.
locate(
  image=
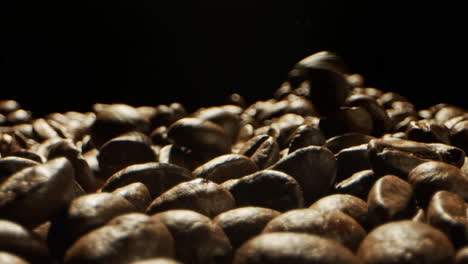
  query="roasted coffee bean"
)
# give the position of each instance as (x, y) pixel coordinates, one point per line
(359, 184)
(180, 156)
(462, 256)
(113, 120)
(448, 212)
(321, 60)
(345, 203)
(8, 258)
(322, 223)
(42, 130)
(229, 121)
(388, 98)
(304, 136)
(399, 157)
(428, 131)
(58, 147)
(11, 165)
(338, 143)
(390, 199)
(159, 136)
(314, 168)
(288, 247)
(446, 112)
(433, 176)
(199, 195)
(406, 242)
(136, 193)
(126, 150)
(157, 177)
(201, 136)
(157, 261)
(7, 106)
(19, 116)
(455, 120)
(347, 120)
(459, 135)
(266, 188)
(198, 239)
(226, 167)
(262, 149)
(419, 216)
(243, 223)
(124, 239)
(400, 111)
(34, 194)
(285, 125)
(380, 120)
(351, 160)
(163, 115)
(27, 154)
(83, 215)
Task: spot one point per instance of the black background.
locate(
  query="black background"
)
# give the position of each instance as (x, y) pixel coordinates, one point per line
(61, 55)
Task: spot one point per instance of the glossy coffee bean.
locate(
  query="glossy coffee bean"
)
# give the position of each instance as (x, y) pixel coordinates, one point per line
(347, 120)
(338, 143)
(28, 154)
(9, 105)
(359, 184)
(322, 60)
(8, 258)
(447, 211)
(462, 256)
(399, 157)
(43, 130)
(198, 239)
(199, 195)
(262, 149)
(304, 136)
(390, 199)
(157, 177)
(18, 240)
(345, 203)
(351, 160)
(11, 165)
(459, 135)
(428, 131)
(243, 223)
(380, 120)
(124, 239)
(136, 193)
(446, 112)
(180, 156)
(388, 98)
(314, 168)
(40, 191)
(289, 247)
(83, 215)
(322, 223)
(406, 242)
(267, 188)
(113, 120)
(226, 167)
(204, 137)
(433, 176)
(125, 150)
(229, 121)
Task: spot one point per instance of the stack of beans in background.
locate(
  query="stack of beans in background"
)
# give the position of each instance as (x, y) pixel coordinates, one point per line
(327, 171)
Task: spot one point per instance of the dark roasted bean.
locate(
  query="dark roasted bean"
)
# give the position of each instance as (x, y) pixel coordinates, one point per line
(347, 120)
(180, 156)
(314, 168)
(200, 195)
(136, 193)
(289, 247)
(406, 242)
(336, 144)
(262, 149)
(304, 136)
(351, 160)
(226, 167)
(266, 188)
(359, 184)
(390, 199)
(432, 176)
(380, 120)
(448, 212)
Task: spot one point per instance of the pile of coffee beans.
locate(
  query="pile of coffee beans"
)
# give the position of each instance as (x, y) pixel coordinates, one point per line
(326, 171)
